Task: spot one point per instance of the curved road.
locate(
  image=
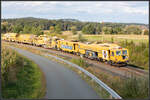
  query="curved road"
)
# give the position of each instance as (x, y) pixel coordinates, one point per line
(61, 82)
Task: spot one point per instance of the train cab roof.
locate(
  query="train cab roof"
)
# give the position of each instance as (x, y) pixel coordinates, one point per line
(106, 46)
(69, 41)
(44, 35)
(110, 45)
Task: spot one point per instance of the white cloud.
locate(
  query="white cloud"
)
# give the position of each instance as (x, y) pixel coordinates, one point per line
(141, 10)
(89, 7)
(70, 8)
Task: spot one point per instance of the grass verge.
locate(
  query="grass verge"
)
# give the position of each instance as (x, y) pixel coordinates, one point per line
(21, 78)
(134, 87)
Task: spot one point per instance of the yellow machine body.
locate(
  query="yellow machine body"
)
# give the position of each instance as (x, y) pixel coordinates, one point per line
(3, 36)
(10, 36)
(25, 38)
(106, 52)
(41, 40)
(109, 52)
(52, 42)
(68, 46)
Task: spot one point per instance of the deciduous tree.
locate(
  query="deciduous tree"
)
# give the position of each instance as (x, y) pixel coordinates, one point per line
(74, 30)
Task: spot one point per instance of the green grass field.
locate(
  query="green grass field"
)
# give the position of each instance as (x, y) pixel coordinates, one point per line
(104, 38)
(115, 38)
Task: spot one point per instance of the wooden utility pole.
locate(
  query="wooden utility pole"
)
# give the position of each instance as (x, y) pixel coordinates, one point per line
(103, 31)
(143, 34)
(102, 27)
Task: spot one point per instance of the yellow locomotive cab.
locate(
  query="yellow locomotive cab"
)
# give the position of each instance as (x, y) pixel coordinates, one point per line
(119, 56)
(111, 53)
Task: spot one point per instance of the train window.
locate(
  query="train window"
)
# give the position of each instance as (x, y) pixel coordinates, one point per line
(96, 53)
(112, 53)
(118, 53)
(124, 52)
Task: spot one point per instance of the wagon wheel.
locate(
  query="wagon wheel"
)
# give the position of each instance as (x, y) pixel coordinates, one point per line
(108, 62)
(81, 55)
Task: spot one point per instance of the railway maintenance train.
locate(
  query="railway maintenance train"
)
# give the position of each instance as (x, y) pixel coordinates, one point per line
(106, 52)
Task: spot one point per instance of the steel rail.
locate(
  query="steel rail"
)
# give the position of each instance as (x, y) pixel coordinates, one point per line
(108, 89)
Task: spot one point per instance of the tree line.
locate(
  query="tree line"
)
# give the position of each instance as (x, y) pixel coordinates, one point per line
(37, 25)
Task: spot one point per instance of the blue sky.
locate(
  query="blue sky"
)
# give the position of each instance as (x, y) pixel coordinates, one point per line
(97, 11)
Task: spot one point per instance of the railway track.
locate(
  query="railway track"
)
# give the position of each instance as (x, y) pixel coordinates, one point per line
(123, 72)
(136, 70)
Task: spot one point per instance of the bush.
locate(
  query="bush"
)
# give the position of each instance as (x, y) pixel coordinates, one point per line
(88, 29)
(81, 38)
(112, 40)
(21, 78)
(131, 88)
(138, 53)
(80, 62)
(135, 88)
(74, 30)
